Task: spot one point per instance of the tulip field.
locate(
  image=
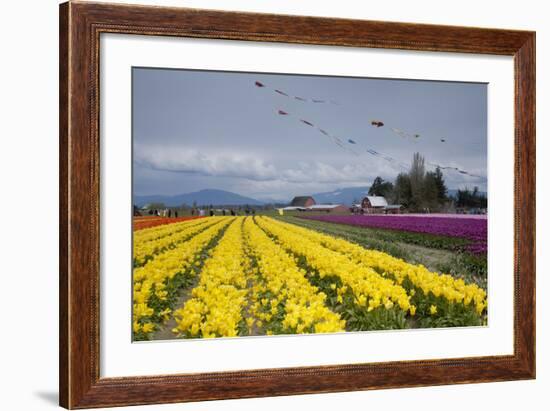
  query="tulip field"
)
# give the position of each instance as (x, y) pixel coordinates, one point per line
(472, 228)
(240, 276)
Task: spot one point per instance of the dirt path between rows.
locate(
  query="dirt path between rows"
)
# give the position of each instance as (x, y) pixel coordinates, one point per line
(165, 332)
(431, 258)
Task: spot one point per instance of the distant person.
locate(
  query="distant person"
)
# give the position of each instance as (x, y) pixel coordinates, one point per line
(223, 211)
(169, 213)
(232, 212)
(175, 213)
(211, 212)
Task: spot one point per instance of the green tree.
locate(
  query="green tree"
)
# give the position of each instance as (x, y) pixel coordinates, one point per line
(380, 187)
(418, 190)
(402, 192)
(430, 198)
(417, 175)
(471, 199)
(440, 186)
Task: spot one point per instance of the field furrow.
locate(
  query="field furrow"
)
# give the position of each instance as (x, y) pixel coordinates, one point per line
(153, 281)
(218, 300)
(377, 300)
(430, 291)
(284, 302)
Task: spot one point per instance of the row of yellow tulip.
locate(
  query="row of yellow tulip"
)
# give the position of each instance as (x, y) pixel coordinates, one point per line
(439, 285)
(146, 249)
(370, 289)
(281, 286)
(154, 233)
(215, 309)
(152, 278)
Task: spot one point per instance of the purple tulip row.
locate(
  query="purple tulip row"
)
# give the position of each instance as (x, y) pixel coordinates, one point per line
(471, 229)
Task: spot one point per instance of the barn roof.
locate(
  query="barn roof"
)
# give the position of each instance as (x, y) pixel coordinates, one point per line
(324, 206)
(300, 201)
(377, 201)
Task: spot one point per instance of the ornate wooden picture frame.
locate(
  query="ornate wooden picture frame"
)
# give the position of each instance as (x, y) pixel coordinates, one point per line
(81, 25)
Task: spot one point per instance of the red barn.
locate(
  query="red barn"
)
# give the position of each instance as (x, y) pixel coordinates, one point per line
(303, 201)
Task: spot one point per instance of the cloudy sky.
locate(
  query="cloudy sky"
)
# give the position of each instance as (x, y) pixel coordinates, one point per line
(195, 130)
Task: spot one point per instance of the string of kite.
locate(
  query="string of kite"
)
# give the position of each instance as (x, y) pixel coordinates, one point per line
(375, 153)
(348, 143)
(454, 169)
(337, 140)
(291, 96)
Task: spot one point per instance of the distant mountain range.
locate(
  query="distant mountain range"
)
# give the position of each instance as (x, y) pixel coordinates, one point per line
(202, 197)
(221, 197)
(347, 196)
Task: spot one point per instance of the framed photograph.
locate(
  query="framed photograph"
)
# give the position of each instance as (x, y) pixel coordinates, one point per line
(259, 205)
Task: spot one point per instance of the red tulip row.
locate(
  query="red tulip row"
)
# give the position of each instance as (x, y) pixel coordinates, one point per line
(141, 223)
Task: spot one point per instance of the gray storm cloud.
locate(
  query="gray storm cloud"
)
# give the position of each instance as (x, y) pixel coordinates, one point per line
(236, 165)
